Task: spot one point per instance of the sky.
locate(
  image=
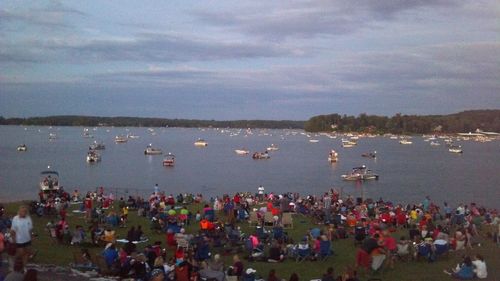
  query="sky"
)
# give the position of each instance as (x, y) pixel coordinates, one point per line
(248, 59)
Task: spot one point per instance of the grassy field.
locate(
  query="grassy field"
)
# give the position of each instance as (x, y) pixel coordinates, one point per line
(50, 252)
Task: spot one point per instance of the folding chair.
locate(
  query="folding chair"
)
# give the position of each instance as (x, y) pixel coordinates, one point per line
(325, 249)
(303, 254)
(287, 220)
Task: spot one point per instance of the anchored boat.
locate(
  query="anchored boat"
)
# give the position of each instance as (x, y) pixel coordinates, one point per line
(150, 150)
(22, 147)
(333, 156)
(49, 183)
(169, 160)
(201, 143)
(93, 156)
(359, 174)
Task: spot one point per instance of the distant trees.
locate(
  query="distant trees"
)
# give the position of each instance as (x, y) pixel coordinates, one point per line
(93, 121)
(467, 121)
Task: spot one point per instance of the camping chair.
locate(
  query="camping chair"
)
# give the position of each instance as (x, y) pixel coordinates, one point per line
(268, 218)
(210, 215)
(302, 254)
(253, 218)
(262, 234)
(253, 252)
(325, 250)
(287, 220)
(441, 249)
(424, 250)
(359, 234)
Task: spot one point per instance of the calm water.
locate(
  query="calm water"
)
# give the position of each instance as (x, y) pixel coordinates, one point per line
(407, 172)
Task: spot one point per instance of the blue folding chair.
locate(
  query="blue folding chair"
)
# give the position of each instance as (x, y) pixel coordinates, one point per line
(303, 254)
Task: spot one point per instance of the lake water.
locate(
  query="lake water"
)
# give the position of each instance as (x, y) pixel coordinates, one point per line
(407, 172)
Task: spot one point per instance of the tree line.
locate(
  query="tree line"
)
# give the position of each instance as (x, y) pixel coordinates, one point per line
(467, 121)
(94, 121)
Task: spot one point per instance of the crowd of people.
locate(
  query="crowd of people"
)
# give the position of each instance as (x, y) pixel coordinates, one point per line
(429, 233)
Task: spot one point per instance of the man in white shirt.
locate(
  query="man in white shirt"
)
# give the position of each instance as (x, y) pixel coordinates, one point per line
(21, 230)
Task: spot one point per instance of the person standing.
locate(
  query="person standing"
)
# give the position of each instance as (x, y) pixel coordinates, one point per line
(21, 231)
(260, 192)
(156, 190)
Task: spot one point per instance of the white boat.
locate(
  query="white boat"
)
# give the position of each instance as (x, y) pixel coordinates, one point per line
(405, 141)
(121, 139)
(455, 149)
(22, 147)
(150, 150)
(169, 160)
(313, 141)
(273, 147)
(359, 174)
(133, 136)
(97, 146)
(201, 143)
(241, 151)
(93, 156)
(333, 156)
(434, 143)
(49, 183)
(348, 143)
(52, 136)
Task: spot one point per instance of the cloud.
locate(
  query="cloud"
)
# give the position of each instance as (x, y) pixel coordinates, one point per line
(311, 18)
(145, 47)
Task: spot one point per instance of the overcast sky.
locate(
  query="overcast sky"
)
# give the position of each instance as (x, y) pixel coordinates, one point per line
(248, 60)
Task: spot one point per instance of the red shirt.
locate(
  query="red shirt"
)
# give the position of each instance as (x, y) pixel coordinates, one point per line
(88, 203)
(390, 243)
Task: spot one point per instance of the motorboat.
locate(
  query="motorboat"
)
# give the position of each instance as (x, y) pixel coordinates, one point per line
(169, 160)
(49, 183)
(273, 147)
(359, 174)
(93, 156)
(313, 141)
(333, 156)
(455, 149)
(201, 143)
(434, 143)
(131, 136)
(22, 147)
(405, 141)
(348, 143)
(241, 151)
(370, 154)
(97, 146)
(52, 136)
(261, 155)
(150, 150)
(121, 139)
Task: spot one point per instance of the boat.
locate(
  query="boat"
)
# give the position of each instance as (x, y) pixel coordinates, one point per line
(121, 139)
(150, 150)
(434, 143)
(333, 156)
(93, 156)
(241, 151)
(273, 147)
(455, 149)
(359, 174)
(370, 154)
(132, 136)
(52, 136)
(313, 140)
(22, 147)
(348, 143)
(201, 143)
(87, 135)
(49, 183)
(261, 155)
(169, 160)
(405, 141)
(97, 146)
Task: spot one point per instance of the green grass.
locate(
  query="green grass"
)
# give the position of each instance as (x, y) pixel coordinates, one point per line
(50, 252)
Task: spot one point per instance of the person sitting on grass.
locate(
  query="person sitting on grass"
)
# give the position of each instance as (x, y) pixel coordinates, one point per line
(328, 276)
(463, 271)
(275, 253)
(480, 271)
(110, 254)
